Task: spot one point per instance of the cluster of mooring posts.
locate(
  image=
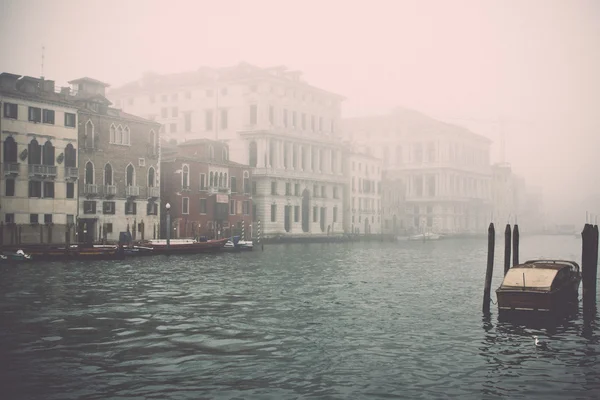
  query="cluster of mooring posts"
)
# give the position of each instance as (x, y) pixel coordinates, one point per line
(510, 237)
(589, 262)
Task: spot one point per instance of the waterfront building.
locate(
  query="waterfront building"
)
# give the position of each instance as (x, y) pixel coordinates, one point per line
(284, 128)
(362, 193)
(504, 196)
(209, 194)
(119, 168)
(39, 161)
(445, 168)
(393, 204)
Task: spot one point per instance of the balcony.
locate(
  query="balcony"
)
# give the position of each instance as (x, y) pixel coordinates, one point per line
(71, 173)
(110, 190)
(132, 191)
(11, 168)
(153, 193)
(90, 190)
(42, 170)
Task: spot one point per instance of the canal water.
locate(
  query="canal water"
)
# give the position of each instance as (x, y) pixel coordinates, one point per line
(329, 321)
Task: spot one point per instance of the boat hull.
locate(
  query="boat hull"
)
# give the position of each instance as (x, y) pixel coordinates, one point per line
(210, 246)
(531, 300)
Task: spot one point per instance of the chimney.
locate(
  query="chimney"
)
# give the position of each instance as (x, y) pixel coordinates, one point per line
(48, 86)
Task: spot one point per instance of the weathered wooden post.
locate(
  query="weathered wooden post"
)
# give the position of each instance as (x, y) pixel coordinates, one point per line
(490, 268)
(41, 233)
(516, 245)
(588, 266)
(507, 246)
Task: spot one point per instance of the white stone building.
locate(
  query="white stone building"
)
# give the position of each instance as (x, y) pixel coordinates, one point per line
(272, 120)
(39, 159)
(362, 194)
(445, 168)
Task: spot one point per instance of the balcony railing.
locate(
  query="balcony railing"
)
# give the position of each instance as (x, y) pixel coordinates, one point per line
(90, 190)
(71, 172)
(132, 191)
(11, 168)
(42, 170)
(153, 192)
(110, 190)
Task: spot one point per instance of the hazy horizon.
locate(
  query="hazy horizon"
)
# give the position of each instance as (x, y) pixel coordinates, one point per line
(534, 64)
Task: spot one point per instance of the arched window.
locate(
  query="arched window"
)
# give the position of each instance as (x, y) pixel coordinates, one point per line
(185, 176)
(211, 152)
(70, 156)
(126, 136)
(130, 175)
(151, 177)
(89, 134)
(220, 180)
(35, 152)
(113, 134)
(89, 173)
(10, 150)
(153, 142)
(119, 138)
(108, 174)
(211, 179)
(225, 180)
(246, 182)
(48, 153)
(224, 155)
(253, 154)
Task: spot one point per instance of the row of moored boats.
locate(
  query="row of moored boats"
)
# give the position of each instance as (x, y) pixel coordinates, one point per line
(16, 254)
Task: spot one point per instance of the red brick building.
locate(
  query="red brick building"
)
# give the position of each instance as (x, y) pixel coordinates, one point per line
(209, 194)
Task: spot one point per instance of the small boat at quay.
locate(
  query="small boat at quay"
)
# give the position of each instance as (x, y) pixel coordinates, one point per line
(539, 285)
(235, 244)
(186, 246)
(15, 257)
(425, 236)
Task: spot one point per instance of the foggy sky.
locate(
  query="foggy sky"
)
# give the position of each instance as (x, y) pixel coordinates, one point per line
(534, 63)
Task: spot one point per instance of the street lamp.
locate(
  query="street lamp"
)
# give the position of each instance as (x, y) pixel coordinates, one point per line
(168, 207)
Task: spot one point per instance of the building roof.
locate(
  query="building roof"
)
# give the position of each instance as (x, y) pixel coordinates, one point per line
(153, 82)
(408, 120)
(89, 80)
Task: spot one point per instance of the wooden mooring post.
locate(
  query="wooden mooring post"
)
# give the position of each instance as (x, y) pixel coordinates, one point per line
(516, 245)
(507, 247)
(589, 265)
(490, 268)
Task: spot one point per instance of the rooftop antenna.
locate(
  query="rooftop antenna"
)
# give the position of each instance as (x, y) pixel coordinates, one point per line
(43, 49)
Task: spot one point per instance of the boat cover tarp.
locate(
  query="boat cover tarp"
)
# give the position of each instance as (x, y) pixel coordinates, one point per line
(538, 278)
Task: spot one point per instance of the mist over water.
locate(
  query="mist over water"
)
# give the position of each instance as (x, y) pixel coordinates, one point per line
(531, 64)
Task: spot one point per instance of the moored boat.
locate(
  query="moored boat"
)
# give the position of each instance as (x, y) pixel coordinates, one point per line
(15, 257)
(425, 236)
(539, 285)
(186, 246)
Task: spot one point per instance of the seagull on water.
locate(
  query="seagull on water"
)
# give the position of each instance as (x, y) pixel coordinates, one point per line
(541, 345)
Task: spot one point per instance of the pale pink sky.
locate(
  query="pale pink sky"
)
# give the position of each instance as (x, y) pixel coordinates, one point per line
(534, 62)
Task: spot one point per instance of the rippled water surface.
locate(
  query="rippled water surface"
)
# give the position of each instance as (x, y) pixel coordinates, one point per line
(339, 321)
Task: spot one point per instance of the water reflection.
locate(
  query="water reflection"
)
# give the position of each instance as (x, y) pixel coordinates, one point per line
(512, 357)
